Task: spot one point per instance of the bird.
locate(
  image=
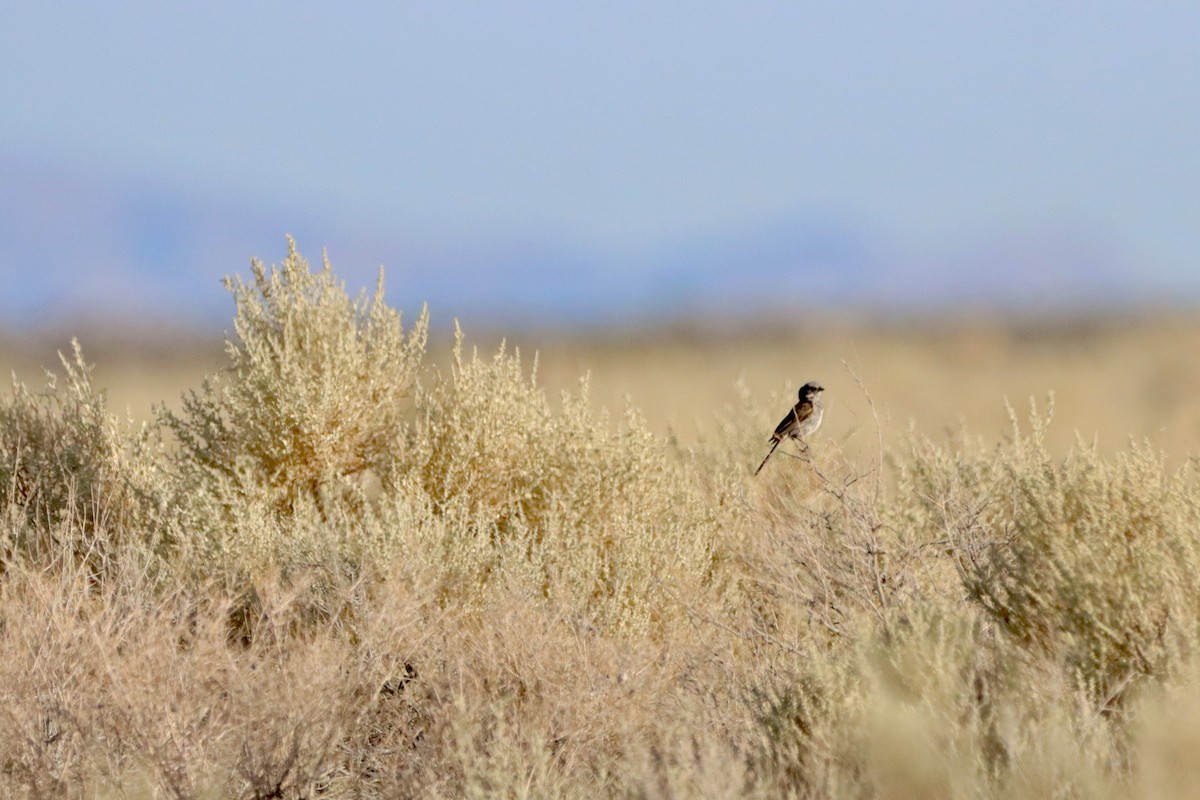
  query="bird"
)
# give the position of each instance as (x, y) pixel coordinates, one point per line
(801, 421)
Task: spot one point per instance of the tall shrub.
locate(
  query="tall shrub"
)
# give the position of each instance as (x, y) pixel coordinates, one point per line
(316, 392)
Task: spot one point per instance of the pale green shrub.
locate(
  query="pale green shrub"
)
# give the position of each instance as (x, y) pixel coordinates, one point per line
(939, 707)
(1092, 563)
(316, 392)
(477, 473)
(273, 454)
(977, 628)
(558, 501)
(73, 477)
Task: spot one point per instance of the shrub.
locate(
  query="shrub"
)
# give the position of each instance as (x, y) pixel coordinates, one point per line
(74, 480)
(272, 454)
(478, 474)
(1089, 562)
(315, 394)
(561, 501)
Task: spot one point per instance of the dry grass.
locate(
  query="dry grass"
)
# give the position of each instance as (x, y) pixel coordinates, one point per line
(343, 567)
(1115, 379)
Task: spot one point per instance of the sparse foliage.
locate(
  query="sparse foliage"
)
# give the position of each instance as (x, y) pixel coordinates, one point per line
(316, 393)
(591, 515)
(74, 480)
(1093, 562)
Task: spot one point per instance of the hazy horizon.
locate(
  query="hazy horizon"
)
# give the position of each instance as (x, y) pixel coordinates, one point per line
(558, 164)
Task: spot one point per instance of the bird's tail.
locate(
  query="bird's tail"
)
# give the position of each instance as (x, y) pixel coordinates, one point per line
(772, 450)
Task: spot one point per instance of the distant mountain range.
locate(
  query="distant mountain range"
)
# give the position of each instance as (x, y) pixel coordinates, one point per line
(73, 246)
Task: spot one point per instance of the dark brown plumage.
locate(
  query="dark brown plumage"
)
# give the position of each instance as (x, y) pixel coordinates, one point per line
(801, 421)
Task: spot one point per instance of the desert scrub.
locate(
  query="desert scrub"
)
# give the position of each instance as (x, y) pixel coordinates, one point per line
(561, 501)
(818, 555)
(479, 475)
(981, 624)
(134, 690)
(1092, 563)
(315, 397)
(938, 706)
(74, 479)
(316, 392)
(386, 581)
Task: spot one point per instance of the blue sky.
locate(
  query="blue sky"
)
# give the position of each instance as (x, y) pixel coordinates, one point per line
(620, 130)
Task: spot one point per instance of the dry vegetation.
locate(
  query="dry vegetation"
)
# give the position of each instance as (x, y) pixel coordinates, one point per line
(337, 570)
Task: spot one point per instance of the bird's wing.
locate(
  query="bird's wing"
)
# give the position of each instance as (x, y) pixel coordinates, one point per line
(782, 428)
(803, 410)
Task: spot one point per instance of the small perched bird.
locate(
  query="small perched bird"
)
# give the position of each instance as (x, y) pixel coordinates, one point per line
(802, 420)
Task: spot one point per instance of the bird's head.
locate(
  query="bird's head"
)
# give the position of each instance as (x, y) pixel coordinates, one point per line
(810, 390)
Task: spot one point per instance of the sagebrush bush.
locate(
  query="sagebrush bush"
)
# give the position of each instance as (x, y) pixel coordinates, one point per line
(135, 690)
(273, 453)
(322, 392)
(74, 479)
(1095, 562)
(316, 392)
(559, 499)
